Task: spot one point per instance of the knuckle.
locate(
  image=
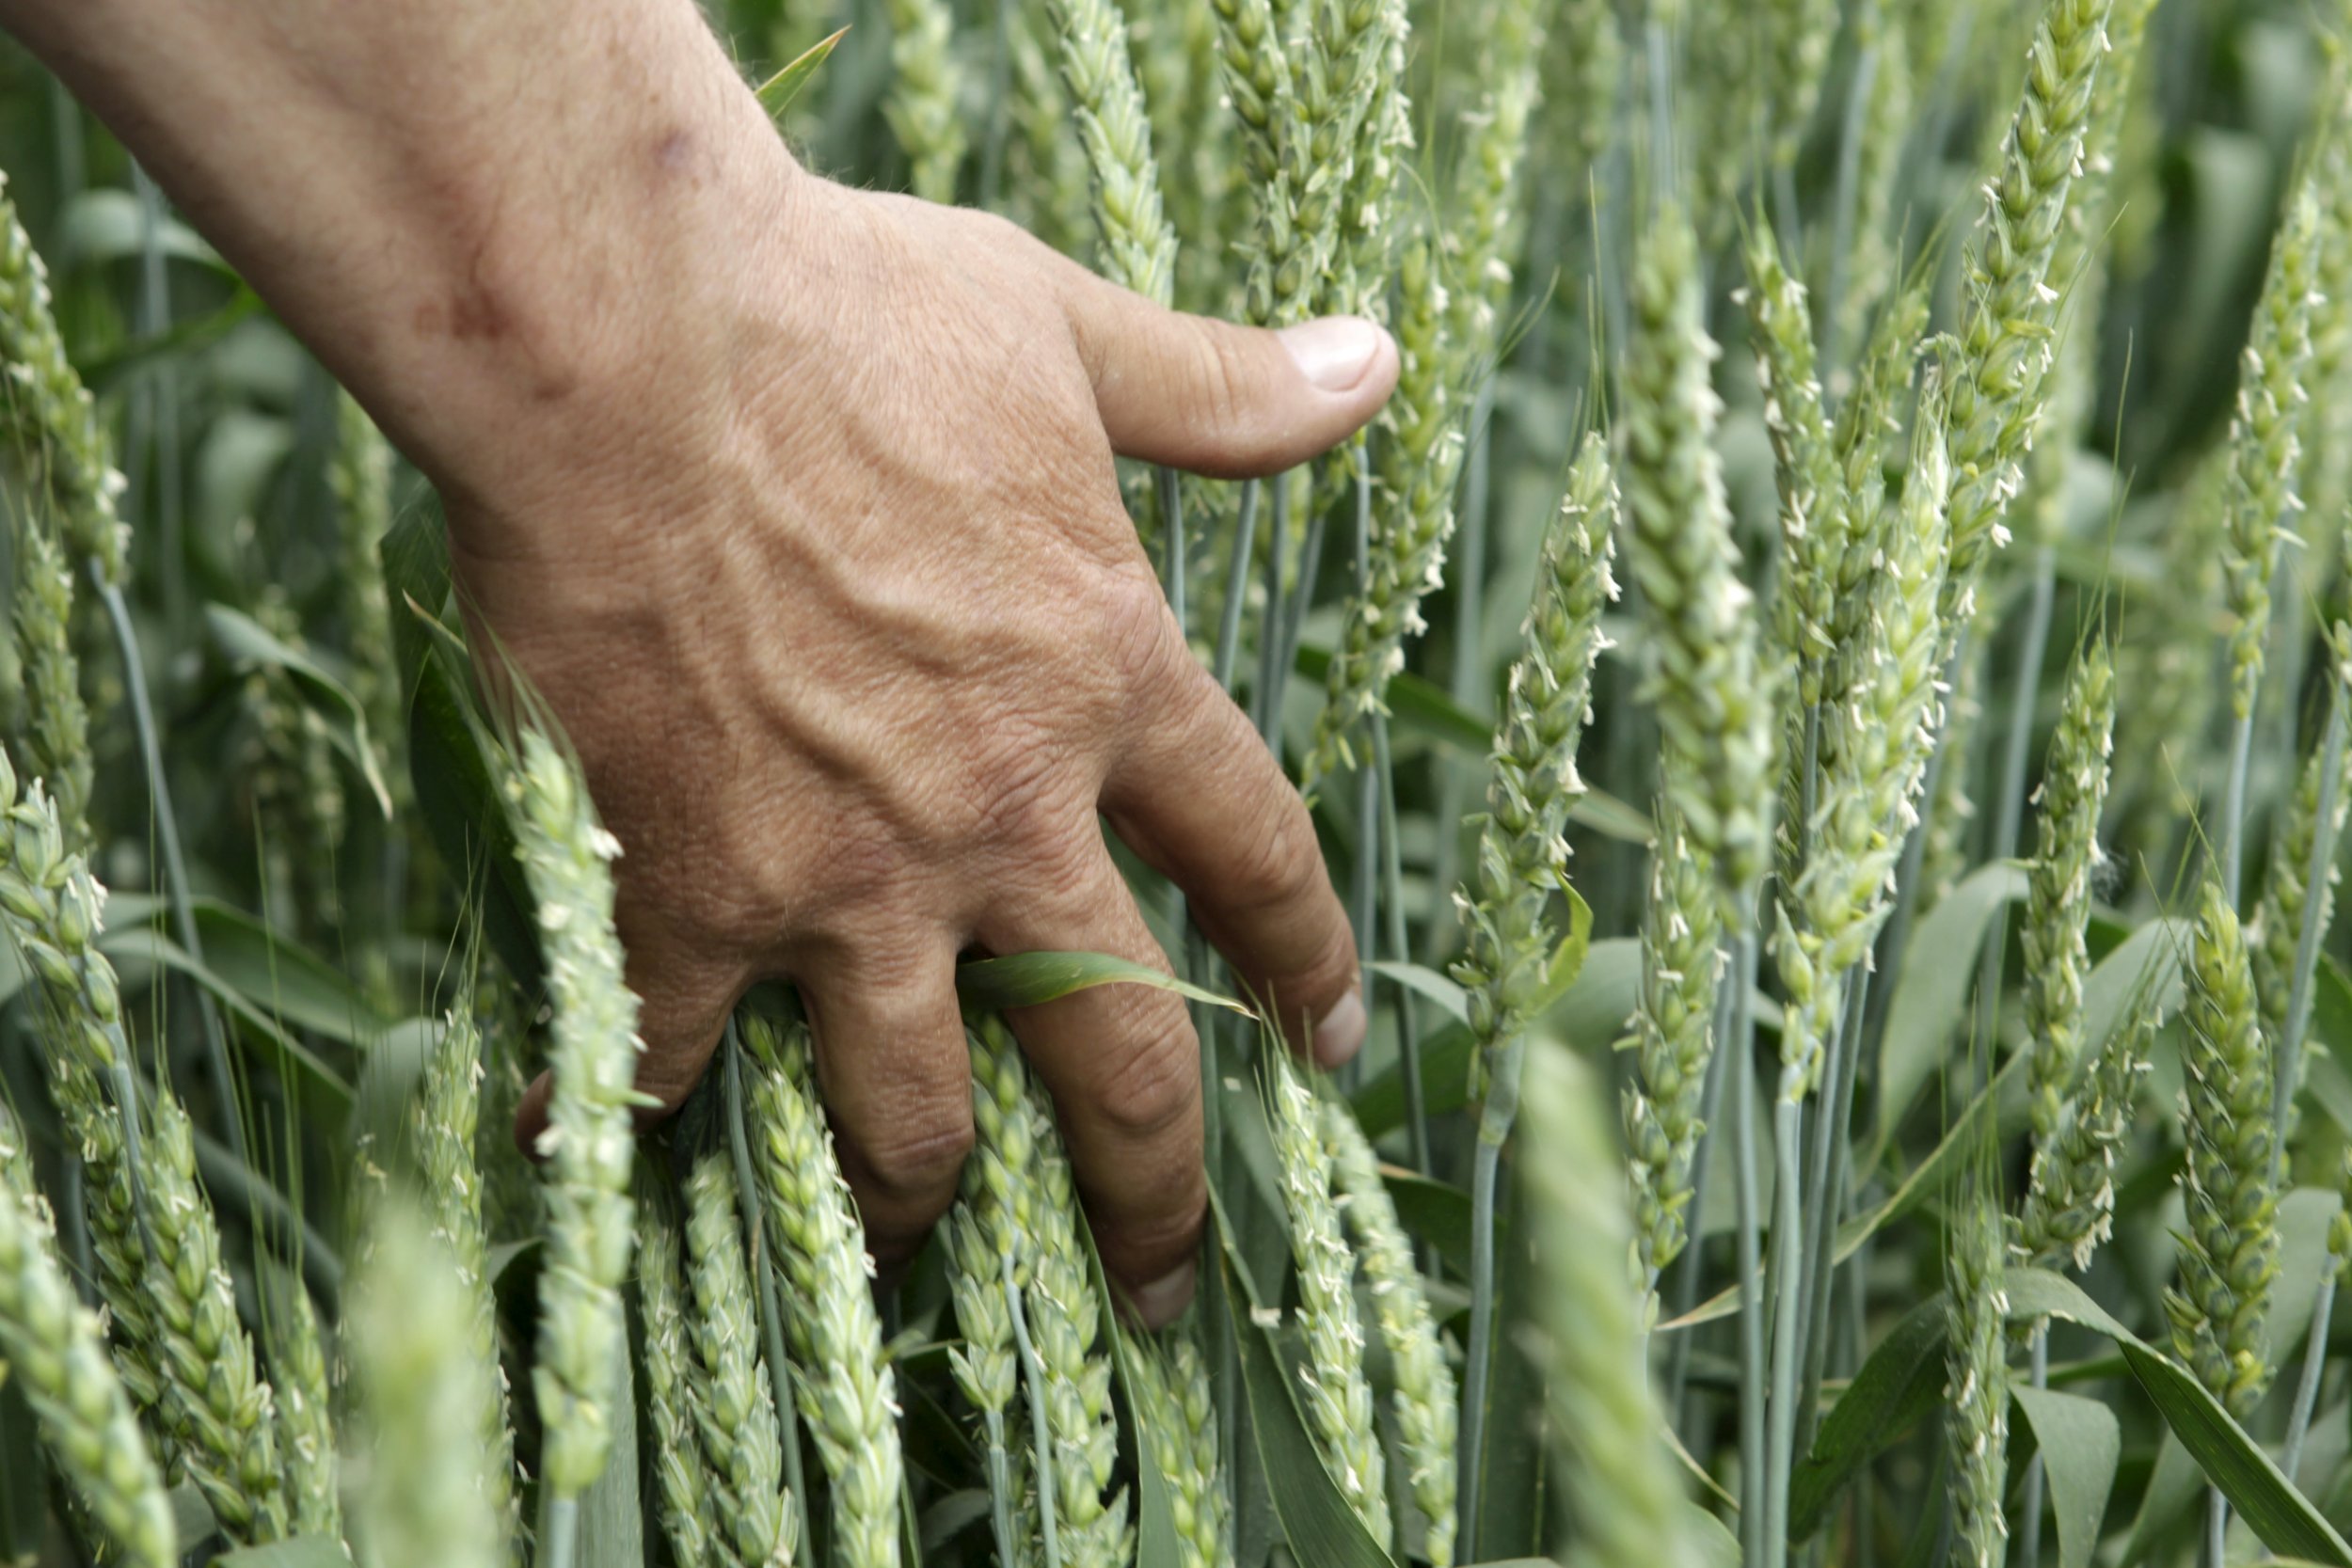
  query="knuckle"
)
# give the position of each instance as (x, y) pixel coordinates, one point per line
(1174, 1230)
(919, 1157)
(1150, 1088)
(1275, 863)
(1021, 786)
(1139, 637)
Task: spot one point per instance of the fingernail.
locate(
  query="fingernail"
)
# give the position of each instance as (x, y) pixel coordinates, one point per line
(1334, 352)
(1164, 1300)
(1341, 1034)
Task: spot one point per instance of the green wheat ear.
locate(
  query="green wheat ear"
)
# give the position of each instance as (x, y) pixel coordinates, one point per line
(1138, 246)
(1977, 1388)
(1425, 1395)
(1626, 1495)
(1713, 694)
(1333, 1388)
(592, 1060)
(1997, 396)
(1671, 1033)
(57, 1356)
(846, 1390)
(2229, 1250)
(424, 1499)
(47, 418)
(1533, 782)
(677, 1404)
(1177, 1409)
(2266, 443)
(444, 1125)
(2057, 901)
(921, 105)
(2070, 1206)
(741, 1443)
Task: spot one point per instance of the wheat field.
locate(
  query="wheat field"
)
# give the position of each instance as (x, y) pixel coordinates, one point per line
(1827, 693)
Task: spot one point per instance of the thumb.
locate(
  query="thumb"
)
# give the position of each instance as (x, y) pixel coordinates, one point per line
(1229, 401)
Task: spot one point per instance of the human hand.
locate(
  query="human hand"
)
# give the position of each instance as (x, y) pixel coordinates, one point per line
(835, 597)
(797, 506)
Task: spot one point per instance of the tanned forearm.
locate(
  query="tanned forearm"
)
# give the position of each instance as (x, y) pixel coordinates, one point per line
(473, 212)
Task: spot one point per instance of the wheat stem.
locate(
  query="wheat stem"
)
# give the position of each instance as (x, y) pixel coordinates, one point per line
(2317, 904)
(1236, 585)
(2314, 1363)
